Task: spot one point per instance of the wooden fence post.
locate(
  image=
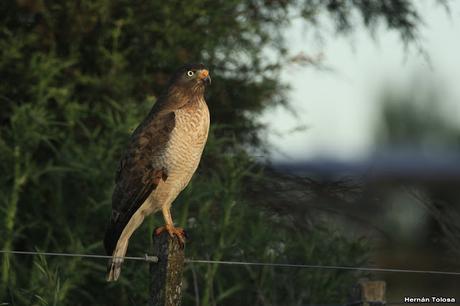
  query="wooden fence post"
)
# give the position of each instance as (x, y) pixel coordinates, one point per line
(368, 293)
(166, 274)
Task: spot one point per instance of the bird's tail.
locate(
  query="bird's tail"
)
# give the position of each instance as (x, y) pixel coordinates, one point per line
(114, 266)
(116, 249)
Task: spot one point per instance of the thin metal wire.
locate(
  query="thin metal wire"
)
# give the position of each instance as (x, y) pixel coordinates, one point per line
(286, 265)
(148, 258)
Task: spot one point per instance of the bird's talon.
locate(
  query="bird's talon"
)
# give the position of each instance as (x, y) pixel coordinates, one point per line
(173, 231)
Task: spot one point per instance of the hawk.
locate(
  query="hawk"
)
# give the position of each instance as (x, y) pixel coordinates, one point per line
(163, 153)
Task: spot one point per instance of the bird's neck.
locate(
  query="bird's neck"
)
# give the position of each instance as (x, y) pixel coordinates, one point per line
(177, 97)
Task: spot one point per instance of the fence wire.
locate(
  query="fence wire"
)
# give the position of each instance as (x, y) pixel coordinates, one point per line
(154, 259)
(146, 257)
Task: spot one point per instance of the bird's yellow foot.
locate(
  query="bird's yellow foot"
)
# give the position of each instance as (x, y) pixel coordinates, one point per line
(173, 231)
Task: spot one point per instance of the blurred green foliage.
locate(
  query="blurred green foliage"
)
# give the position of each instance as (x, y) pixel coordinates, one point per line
(78, 76)
(419, 118)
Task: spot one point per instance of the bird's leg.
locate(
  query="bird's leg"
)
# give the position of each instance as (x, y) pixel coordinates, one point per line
(170, 228)
(160, 175)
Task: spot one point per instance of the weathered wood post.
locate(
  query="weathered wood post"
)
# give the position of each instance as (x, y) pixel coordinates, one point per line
(166, 274)
(368, 293)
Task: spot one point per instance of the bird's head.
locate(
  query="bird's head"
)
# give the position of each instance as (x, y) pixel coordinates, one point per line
(192, 77)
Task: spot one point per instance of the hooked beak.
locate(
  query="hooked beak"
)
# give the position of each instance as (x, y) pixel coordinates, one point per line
(204, 76)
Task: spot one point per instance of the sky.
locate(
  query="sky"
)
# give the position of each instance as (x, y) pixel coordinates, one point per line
(340, 108)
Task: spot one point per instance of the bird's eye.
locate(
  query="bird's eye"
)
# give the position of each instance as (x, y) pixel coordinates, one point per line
(190, 73)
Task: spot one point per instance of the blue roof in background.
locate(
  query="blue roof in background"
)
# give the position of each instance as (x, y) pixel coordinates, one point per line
(397, 164)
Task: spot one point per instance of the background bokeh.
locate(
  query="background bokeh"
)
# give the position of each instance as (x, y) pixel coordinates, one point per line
(387, 117)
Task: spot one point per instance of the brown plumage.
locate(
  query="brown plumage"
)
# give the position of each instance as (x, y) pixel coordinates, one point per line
(162, 155)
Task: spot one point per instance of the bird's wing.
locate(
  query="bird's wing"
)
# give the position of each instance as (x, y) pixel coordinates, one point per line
(139, 173)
